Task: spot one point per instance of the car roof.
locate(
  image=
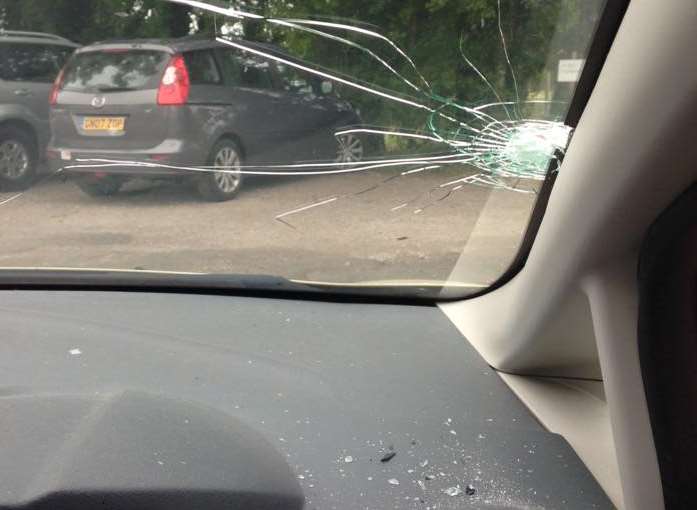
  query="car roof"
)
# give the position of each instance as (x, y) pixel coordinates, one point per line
(21, 36)
(180, 45)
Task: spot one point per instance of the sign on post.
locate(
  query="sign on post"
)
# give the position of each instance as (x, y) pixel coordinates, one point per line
(569, 70)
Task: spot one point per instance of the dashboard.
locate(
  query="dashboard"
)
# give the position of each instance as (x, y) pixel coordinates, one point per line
(164, 400)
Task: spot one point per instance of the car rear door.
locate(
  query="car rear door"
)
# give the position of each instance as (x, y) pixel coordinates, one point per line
(308, 116)
(255, 103)
(207, 104)
(108, 101)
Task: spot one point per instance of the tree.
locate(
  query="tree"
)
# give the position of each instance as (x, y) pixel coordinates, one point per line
(453, 43)
(86, 21)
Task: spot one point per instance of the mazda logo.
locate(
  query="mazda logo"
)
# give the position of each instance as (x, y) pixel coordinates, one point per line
(98, 101)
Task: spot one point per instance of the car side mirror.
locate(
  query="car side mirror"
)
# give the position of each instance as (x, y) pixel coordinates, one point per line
(327, 87)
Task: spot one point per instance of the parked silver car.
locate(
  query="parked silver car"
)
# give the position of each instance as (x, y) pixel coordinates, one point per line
(29, 64)
(191, 103)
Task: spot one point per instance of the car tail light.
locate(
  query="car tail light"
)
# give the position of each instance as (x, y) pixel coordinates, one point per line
(175, 84)
(57, 85)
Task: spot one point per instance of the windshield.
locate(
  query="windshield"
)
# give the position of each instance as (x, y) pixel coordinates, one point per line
(342, 144)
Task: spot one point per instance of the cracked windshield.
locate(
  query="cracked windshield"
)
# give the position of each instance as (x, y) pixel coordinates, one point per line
(393, 143)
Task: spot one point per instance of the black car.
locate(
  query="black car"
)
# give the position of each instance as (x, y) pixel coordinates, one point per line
(192, 103)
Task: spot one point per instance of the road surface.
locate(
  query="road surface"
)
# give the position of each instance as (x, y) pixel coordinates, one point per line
(347, 228)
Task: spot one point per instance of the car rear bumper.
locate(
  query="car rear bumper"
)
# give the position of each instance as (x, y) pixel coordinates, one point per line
(170, 158)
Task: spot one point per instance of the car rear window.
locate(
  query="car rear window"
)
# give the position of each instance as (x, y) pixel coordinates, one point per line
(32, 62)
(114, 70)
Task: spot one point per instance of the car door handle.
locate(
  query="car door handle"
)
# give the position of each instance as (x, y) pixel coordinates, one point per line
(22, 92)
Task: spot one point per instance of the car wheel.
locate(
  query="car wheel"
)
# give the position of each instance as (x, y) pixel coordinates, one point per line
(350, 148)
(18, 158)
(225, 184)
(100, 187)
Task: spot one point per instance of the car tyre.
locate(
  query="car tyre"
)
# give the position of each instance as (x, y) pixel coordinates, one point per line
(222, 186)
(101, 187)
(350, 148)
(18, 158)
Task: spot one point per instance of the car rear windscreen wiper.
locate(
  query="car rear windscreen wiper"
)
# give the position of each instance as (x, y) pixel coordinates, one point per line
(116, 89)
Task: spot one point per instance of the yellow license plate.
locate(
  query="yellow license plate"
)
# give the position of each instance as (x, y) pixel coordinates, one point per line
(103, 123)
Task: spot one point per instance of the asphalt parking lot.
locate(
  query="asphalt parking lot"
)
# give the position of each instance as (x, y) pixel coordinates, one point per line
(367, 227)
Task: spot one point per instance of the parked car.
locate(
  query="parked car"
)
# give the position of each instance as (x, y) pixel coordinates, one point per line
(191, 103)
(29, 64)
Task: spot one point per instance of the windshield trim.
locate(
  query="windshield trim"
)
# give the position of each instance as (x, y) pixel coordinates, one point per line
(245, 285)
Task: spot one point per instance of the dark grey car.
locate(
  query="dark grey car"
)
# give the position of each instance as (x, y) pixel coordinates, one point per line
(29, 64)
(191, 103)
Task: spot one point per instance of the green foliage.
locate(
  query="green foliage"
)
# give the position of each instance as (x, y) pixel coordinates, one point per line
(435, 33)
(86, 21)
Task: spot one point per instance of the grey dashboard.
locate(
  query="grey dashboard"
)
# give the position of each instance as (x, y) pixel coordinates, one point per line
(147, 400)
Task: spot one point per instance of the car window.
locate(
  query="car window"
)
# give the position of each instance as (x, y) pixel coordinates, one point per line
(202, 68)
(231, 66)
(32, 62)
(256, 73)
(293, 80)
(114, 70)
(245, 70)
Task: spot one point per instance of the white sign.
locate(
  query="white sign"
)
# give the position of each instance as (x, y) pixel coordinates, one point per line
(570, 70)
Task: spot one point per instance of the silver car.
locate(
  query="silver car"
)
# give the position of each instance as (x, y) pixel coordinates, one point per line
(29, 64)
(173, 107)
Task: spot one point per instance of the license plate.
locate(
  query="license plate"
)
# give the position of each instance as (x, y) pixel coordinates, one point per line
(103, 123)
